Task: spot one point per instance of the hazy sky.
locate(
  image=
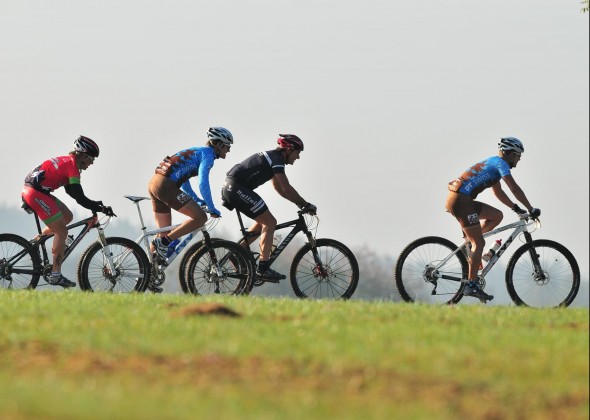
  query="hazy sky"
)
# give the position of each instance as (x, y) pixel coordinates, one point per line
(392, 98)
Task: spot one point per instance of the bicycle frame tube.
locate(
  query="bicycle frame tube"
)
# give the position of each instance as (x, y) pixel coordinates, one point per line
(185, 241)
(297, 224)
(519, 227)
(89, 223)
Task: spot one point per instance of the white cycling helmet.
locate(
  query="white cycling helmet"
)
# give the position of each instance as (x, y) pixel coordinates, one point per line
(508, 144)
(220, 134)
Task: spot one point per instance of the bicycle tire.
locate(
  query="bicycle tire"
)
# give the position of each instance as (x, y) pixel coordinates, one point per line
(132, 264)
(337, 278)
(182, 267)
(237, 270)
(11, 276)
(561, 286)
(412, 277)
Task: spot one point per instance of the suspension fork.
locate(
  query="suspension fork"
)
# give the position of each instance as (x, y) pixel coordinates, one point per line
(212, 255)
(105, 247)
(314, 250)
(534, 256)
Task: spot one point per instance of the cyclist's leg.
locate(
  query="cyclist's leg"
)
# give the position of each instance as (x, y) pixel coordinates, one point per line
(157, 192)
(252, 205)
(466, 211)
(475, 236)
(266, 223)
(51, 212)
(489, 216)
(197, 219)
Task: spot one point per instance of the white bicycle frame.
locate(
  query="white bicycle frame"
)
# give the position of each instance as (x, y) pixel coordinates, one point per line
(521, 226)
(146, 234)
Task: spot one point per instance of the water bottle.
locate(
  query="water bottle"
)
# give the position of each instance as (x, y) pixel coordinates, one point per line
(492, 251)
(172, 247)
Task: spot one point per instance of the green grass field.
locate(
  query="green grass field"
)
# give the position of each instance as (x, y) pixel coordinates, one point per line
(76, 355)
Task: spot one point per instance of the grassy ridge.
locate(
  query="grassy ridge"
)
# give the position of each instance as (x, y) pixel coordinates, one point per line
(75, 355)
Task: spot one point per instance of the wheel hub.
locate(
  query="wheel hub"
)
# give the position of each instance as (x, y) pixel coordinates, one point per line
(541, 279)
(430, 274)
(321, 273)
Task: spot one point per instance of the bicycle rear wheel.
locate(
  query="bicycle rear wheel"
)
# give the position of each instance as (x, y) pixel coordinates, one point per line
(555, 282)
(232, 275)
(132, 267)
(418, 280)
(334, 276)
(20, 265)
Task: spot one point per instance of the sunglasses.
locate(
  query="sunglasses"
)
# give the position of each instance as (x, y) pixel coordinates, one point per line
(90, 158)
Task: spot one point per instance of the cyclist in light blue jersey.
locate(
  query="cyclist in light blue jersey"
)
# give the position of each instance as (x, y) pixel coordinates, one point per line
(170, 187)
(477, 218)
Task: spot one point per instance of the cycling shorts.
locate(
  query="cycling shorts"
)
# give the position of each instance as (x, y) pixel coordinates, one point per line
(166, 195)
(46, 206)
(242, 198)
(464, 208)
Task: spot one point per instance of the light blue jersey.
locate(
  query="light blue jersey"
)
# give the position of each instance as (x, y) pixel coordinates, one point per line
(483, 175)
(186, 164)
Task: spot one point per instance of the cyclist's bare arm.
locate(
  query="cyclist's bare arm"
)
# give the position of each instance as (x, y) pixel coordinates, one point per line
(284, 188)
(517, 191)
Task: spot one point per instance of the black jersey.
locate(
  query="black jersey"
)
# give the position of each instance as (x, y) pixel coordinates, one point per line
(258, 169)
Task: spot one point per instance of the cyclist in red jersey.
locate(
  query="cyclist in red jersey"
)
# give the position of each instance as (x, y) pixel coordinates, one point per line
(62, 171)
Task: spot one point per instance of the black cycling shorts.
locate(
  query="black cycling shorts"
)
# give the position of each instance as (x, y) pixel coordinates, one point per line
(243, 199)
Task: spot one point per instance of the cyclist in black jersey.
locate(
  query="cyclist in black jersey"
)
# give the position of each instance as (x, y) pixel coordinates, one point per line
(245, 177)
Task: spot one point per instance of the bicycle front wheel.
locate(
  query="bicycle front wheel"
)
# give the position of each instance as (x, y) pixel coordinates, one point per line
(543, 274)
(327, 271)
(419, 278)
(131, 267)
(224, 268)
(20, 265)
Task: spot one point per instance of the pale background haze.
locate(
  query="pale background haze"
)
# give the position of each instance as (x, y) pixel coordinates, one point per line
(392, 98)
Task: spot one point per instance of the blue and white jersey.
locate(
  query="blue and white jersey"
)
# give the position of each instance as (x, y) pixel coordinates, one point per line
(483, 175)
(186, 164)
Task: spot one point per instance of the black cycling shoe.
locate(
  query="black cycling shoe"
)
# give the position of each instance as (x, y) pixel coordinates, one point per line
(61, 281)
(270, 275)
(475, 291)
(155, 289)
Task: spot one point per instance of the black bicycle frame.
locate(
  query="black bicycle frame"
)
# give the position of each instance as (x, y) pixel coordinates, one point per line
(90, 223)
(298, 224)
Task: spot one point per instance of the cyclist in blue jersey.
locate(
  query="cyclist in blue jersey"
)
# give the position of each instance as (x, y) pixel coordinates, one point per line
(245, 177)
(477, 218)
(170, 187)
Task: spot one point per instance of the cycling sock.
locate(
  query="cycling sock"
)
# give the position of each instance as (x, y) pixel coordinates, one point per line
(56, 275)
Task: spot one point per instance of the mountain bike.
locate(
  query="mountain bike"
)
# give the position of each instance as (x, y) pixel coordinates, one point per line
(23, 262)
(541, 273)
(322, 268)
(219, 266)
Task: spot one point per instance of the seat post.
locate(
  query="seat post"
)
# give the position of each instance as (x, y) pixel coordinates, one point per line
(38, 224)
(242, 228)
(143, 227)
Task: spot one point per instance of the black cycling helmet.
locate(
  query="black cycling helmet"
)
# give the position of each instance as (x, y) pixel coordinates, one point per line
(86, 145)
(290, 141)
